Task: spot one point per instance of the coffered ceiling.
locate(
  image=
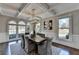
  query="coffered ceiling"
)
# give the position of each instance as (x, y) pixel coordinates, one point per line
(24, 10)
(43, 10)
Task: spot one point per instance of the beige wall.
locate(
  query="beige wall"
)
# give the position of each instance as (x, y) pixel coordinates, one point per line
(3, 29)
(4, 37)
(75, 30)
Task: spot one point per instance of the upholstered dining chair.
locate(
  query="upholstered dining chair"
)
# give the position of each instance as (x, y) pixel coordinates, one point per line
(42, 48)
(41, 34)
(49, 46)
(26, 44)
(29, 45)
(45, 48)
(23, 41)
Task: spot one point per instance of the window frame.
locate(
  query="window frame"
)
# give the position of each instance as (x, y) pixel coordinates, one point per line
(24, 25)
(17, 25)
(70, 26)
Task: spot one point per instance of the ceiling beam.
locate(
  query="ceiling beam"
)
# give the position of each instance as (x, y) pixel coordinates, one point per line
(45, 5)
(21, 9)
(22, 6)
(47, 8)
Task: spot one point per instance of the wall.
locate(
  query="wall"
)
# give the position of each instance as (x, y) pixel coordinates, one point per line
(4, 37)
(75, 31)
(66, 7)
(3, 28)
(46, 31)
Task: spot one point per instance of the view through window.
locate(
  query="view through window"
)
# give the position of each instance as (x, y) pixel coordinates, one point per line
(64, 28)
(21, 28)
(12, 29)
(37, 27)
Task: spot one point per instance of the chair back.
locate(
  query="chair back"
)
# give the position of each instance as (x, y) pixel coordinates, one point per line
(26, 44)
(29, 45)
(49, 46)
(41, 34)
(23, 41)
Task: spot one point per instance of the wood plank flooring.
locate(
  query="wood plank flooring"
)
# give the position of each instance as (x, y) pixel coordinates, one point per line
(71, 50)
(14, 48)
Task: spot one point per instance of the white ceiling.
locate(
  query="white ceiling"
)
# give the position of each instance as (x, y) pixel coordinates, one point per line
(44, 10)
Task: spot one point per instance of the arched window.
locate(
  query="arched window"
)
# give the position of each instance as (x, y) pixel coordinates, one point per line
(12, 29)
(11, 22)
(21, 28)
(21, 23)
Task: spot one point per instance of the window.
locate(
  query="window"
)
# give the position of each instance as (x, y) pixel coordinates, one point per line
(12, 22)
(64, 28)
(12, 29)
(21, 23)
(21, 28)
(16, 29)
(37, 27)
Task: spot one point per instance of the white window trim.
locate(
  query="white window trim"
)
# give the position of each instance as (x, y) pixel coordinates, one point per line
(16, 26)
(70, 27)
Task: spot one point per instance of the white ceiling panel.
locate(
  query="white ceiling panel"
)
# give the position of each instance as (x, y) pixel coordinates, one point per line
(23, 16)
(13, 6)
(37, 7)
(46, 15)
(8, 12)
(44, 10)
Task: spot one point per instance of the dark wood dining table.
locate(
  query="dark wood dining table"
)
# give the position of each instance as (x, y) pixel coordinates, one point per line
(37, 41)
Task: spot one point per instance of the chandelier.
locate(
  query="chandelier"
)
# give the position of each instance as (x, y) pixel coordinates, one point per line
(34, 18)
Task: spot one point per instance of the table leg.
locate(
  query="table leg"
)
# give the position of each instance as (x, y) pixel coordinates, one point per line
(36, 48)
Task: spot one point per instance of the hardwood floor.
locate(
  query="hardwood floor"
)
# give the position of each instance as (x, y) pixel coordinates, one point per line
(71, 50)
(14, 48)
(3, 48)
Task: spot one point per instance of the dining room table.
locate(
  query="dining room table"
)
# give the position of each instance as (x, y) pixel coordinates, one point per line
(37, 41)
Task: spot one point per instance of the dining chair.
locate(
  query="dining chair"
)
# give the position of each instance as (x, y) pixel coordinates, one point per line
(29, 45)
(45, 48)
(26, 44)
(42, 48)
(41, 34)
(49, 46)
(23, 41)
